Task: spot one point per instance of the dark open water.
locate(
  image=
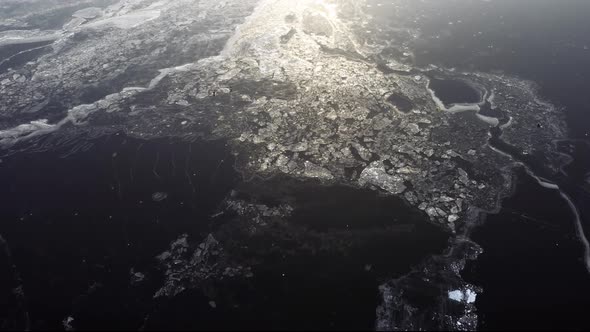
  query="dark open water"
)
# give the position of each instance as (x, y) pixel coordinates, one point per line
(77, 223)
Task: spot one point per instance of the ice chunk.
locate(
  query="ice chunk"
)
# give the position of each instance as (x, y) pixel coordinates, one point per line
(466, 295)
(128, 21)
(88, 13)
(377, 176)
(314, 171)
(456, 295)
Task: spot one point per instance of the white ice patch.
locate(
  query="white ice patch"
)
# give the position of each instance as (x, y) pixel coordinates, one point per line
(456, 295)
(127, 21)
(25, 37)
(466, 295)
(88, 13)
(457, 108)
(489, 120)
(24, 130)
